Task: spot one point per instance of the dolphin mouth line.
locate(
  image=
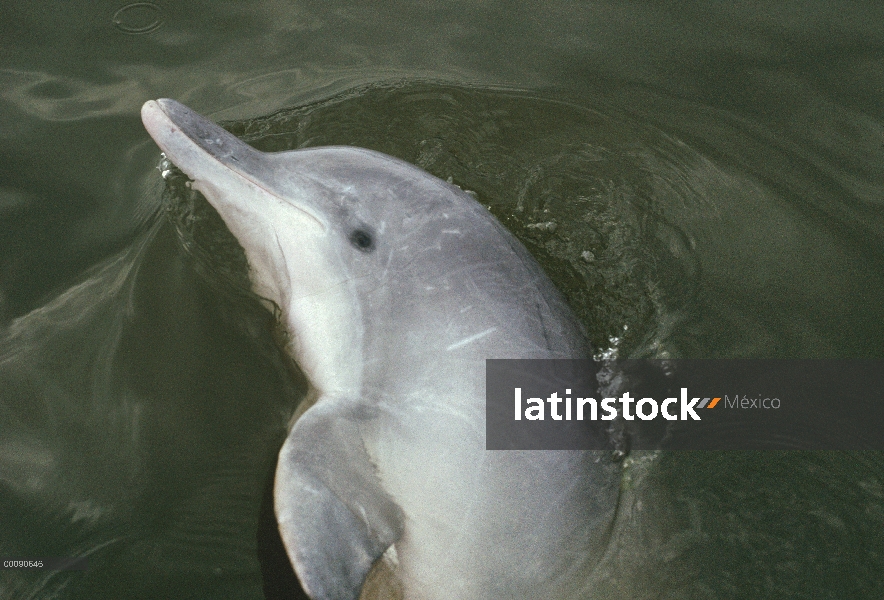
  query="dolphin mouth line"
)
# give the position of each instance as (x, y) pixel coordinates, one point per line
(233, 165)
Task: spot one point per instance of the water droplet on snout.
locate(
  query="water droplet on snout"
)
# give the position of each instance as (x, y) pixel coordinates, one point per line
(138, 18)
(165, 166)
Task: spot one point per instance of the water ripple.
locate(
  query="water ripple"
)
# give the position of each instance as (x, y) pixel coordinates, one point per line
(138, 18)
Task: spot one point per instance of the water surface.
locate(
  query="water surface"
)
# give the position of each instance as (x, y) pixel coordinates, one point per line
(700, 181)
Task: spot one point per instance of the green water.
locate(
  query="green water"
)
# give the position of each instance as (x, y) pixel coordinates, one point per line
(700, 180)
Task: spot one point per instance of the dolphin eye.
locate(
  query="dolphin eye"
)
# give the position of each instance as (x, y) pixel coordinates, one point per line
(362, 239)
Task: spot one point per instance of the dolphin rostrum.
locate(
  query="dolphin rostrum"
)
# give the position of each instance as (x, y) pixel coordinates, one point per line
(394, 287)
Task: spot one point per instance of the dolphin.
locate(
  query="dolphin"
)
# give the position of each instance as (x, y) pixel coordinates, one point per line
(394, 287)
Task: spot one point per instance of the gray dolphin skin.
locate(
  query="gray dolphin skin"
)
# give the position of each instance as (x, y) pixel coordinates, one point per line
(394, 287)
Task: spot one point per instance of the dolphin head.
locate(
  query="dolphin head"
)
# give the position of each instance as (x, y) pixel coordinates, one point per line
(323, 229)
(324, 202)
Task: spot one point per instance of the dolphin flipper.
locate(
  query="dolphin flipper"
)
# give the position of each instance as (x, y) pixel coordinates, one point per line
(334, 516)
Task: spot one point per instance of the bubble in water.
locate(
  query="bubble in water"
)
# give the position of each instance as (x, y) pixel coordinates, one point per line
(165, 167)
(549, 226)
(138, 18)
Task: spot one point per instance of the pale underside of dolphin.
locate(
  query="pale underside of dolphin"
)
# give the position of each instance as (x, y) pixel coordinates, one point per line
(394, 287)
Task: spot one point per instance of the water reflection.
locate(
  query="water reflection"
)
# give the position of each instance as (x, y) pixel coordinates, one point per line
(130, 434)
(61, 98)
